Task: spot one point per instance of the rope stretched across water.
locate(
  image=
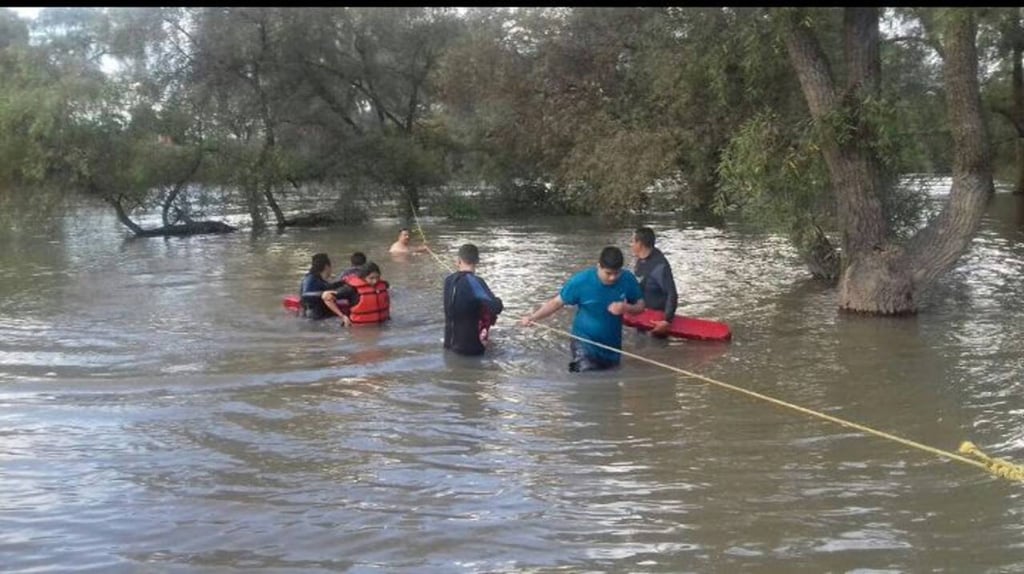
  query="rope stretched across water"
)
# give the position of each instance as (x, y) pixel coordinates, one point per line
(994, 466)
(423, 238)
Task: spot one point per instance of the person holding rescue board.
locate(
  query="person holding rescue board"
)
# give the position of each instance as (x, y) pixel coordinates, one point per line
(654, 272)
(655, 276)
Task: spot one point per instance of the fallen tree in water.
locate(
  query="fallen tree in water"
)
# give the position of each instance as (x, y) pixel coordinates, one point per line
(168, 230)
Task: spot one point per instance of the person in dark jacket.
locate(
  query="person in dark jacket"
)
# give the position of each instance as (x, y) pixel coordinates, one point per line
(317, 293)
(655, 275)
(470, 308)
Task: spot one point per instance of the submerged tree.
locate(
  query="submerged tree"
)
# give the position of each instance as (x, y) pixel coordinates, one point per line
(774, 173)
(74, 127)
(372, 71)
(880, 274)
(599, 104)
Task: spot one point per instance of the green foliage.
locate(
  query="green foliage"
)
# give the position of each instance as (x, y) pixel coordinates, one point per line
(455, 206)
(559, 110)
(773, 171)
(1001, 46)
(774, 175)
(615, 171)
(605, 103)
(394, 160)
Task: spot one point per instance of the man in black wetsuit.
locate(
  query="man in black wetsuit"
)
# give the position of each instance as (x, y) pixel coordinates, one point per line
(655, 275)
(470, 308)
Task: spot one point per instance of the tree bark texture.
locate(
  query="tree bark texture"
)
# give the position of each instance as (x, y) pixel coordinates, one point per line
(879, 276)
(941, 243)
(1018, 100)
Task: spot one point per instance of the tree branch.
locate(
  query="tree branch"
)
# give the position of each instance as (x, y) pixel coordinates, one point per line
(1012, 117)
(938, 246)
(811, 65)
(915, 39)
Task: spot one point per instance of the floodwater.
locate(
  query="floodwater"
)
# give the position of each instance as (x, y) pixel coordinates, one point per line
(161, 412)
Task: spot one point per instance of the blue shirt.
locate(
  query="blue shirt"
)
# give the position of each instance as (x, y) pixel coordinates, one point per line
(593, 321)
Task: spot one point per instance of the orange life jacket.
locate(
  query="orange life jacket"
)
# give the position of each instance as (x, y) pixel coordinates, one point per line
(374, 304)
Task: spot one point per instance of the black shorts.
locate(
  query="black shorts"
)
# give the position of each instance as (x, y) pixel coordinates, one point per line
(581, 361)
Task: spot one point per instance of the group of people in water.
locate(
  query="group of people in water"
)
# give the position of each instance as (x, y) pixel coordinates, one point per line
(602, 295)
(359, 289)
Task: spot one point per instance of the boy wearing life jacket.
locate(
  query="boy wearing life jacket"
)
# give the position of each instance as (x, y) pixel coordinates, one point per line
(367, 294)
(470, 308)
(602, 294)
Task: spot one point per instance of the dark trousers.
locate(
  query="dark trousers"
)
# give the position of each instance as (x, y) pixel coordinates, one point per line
(581, 361)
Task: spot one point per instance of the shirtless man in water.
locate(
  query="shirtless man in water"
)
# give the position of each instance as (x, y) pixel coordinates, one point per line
(401, 246)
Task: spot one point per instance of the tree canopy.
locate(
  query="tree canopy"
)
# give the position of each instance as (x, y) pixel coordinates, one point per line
(317, 114)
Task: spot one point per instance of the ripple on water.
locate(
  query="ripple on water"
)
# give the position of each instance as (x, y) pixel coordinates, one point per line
(164, 412)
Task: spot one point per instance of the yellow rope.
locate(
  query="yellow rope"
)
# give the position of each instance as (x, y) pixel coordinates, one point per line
(423, 238)
(995, 466)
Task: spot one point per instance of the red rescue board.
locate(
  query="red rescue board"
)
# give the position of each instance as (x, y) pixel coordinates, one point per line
(682, 327)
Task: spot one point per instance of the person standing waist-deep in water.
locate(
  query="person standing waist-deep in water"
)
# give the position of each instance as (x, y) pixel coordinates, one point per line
(470, 307)
(655, 276)
(601, 294)
(402, 245)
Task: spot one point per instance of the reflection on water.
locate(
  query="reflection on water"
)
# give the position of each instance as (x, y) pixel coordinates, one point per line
(160, 411)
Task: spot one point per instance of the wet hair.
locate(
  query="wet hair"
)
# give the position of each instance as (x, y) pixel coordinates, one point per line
(611, 258)
(368, 268)
(319, 263)
(469, 254)
(358, 258)
(404, 229)
(644, 236)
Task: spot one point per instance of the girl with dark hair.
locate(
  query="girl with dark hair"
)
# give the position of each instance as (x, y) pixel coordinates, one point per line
(367, 295)
(317, 292)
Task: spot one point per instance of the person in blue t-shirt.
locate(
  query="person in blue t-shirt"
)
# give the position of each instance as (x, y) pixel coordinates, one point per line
(601, 294)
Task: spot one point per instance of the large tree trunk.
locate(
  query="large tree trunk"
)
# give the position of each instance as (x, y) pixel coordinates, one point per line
(252, 199)
(272, 202)
(268, 175)
(938, 246)
(871, 279)
(1018, 188)
(877, 275)
(412, 200)
(1018, 98)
